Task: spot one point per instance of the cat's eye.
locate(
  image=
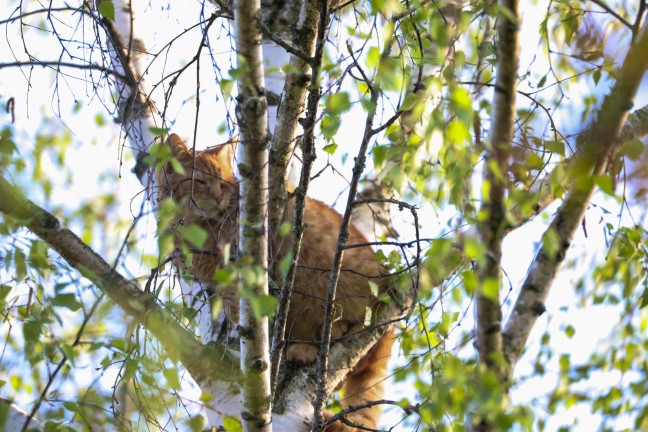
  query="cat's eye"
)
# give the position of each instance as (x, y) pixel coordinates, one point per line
(198, 181)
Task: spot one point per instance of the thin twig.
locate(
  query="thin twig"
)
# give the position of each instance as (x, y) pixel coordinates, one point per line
(322, 359)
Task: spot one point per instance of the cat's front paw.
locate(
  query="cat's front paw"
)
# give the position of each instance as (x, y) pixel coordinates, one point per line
(302, 354)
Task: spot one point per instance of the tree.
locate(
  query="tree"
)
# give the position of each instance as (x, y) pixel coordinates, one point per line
(468, 173)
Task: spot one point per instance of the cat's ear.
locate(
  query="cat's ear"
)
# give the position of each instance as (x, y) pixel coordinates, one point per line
(177, 145)
(224, 153)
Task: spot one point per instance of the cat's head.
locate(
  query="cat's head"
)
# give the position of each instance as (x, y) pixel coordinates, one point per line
(205, 184)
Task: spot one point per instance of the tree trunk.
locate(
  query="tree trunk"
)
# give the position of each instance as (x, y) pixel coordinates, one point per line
(252, 116)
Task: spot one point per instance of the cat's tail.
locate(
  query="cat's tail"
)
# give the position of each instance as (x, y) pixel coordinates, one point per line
(366, 384)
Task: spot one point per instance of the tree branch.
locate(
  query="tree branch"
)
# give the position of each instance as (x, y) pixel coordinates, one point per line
(299, 387)
(329, 312)
(493, 211)
(252, 116)
(55, 64)
(137, 113)
(310, 17)
(598, 148)
(202, 362)
(290, 109)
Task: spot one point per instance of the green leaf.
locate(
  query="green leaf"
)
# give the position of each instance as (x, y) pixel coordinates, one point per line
(158, 155)
(644, 297)
(197, 423)
(457, 132)
(21, 264)
(338, 103)
(596, 76)
(226, 88)
(177, 166)
(555, 147)
(367, 105)
(264, 305)
(470, 281)
(490, 289)
(130, 368)
(284, 264)
(495, 169)
(564, 362)
(32, 331)
(373, 286)
(225, 276)
(38, 255)
(188, 313)
(16, 382)
(330, 149)
(533, 161)
(99, 120)
(473, 249)
(551, 243)
(71, 406)
(119, 344)
(167, 211)
(379, 154)
(604, 182)
(285, 229)
(632, 149)
(410, 100)
(158, 131)
(7, 146)
(542, 81)
(66, 300)
(68, 351)
(4, 292)
(107, 9)
(329, 126)
(195, 235)
(206, 397)
(461, 103)
(171, 376)
(232, 424)
(373, 57)
(570, 331)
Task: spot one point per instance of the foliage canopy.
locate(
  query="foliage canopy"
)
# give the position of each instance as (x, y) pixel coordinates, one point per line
(425, 73)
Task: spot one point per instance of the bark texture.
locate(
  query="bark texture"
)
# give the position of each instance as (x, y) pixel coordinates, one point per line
(314, 16)
(291, 109)
(252, 116)
(137, 113)
(493, 211)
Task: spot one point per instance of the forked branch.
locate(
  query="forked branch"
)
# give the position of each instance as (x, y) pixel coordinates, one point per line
(599, 147)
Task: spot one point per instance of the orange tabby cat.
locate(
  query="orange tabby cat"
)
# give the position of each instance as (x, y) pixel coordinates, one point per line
(207, 191)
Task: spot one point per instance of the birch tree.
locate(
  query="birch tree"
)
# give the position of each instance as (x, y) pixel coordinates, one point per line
(438, 177)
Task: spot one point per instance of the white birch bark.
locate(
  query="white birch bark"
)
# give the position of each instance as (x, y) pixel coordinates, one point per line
(16, 418)
(252, 117)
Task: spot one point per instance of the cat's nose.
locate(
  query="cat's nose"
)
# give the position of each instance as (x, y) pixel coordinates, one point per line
(217, 194)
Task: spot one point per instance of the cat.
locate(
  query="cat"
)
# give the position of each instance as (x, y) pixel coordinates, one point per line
(207, 191)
